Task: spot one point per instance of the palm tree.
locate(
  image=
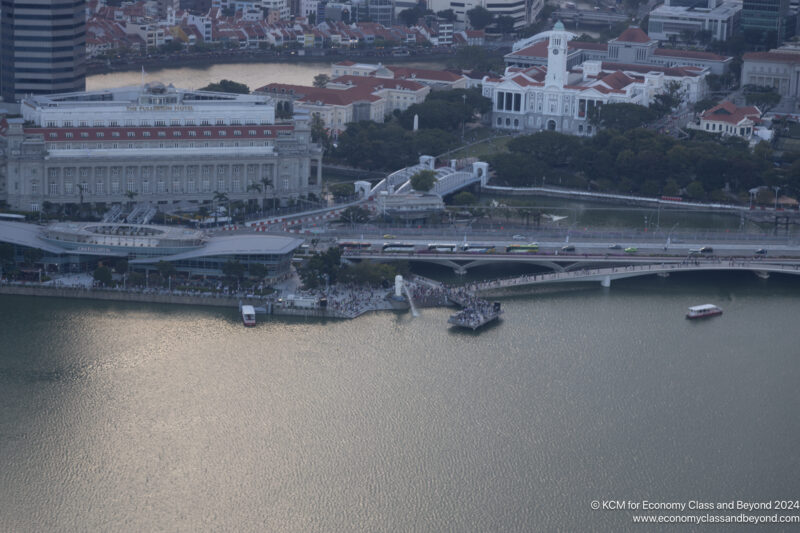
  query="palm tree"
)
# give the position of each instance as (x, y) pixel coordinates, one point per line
(131, 195)
(254, 187)
(267, 182)
(219, 197)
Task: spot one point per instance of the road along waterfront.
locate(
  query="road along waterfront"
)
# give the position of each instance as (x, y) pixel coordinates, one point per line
(150, 417)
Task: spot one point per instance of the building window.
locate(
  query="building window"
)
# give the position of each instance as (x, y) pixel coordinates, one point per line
(98, 187)
(162, 133)
(115, 134)
(114, 187)
(34, 187)
(145, 134)
(53, 188)
(193, 134)
(67, 187)
(145, 187)
(68, 135)
(131, 134)
(100, 134)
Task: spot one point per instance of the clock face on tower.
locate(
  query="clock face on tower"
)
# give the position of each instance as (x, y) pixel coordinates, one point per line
(555, 52)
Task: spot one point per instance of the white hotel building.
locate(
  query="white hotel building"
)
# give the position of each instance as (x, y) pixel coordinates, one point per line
(153, 143)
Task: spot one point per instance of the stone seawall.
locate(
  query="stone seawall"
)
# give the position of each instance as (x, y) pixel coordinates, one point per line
(123, 296)
(172, 299)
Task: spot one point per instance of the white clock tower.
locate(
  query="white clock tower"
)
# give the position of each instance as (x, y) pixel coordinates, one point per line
(557, 57)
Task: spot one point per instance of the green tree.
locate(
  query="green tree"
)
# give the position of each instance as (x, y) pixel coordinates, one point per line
(166, 269)
(505, 24)
(695, 190)
(669, 99)
(622, 117)
(257, 270)
(342, 190)
(321, 80)
(227, 86)
(103, 275)
(475, 58)
(355, 215)
(464, 198)
(319, 133)
(764, 98)
(219, 199)
(423, 181)
(121, 266)
(447, 15)
(32, 256)
(479, 17)
(321, 266)
(233, 269)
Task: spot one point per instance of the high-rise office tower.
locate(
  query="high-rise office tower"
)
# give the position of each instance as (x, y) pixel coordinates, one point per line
(42, 47)
(770, 19)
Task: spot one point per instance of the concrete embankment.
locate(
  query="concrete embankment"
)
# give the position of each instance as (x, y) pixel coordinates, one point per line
(230, 302)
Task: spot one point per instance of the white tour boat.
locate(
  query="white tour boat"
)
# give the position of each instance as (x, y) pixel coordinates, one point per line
(702, 311)
(248, 315)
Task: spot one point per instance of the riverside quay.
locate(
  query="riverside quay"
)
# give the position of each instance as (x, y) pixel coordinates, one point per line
(65, 247)
(156, 144)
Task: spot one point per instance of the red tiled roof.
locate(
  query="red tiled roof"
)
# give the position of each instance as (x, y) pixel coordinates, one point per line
(782, 57)
(633, 35)
(540, 49)
(325, 96)
(582, 45)
(689, 54)
(616, 80)
(730, 113)
(522, 81)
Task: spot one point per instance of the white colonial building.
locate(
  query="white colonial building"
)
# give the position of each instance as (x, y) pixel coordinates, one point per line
(730, 119)
(560, 98)
(156, 144)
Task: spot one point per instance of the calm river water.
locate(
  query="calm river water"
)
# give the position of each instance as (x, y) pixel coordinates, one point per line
(254, 75)
(130, 417)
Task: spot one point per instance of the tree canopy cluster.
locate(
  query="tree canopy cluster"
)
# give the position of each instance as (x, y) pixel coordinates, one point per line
(227, 86)
(392, 145)
(643, 162)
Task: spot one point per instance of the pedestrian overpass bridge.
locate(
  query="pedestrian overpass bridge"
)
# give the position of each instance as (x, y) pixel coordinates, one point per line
(448, 179)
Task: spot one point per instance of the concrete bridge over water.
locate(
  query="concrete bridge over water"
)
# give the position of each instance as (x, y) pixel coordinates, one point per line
(586, 267)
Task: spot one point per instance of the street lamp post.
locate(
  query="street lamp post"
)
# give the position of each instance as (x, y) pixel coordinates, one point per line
(776, 188)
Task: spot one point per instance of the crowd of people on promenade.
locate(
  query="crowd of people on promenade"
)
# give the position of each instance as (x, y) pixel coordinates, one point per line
(426, 295)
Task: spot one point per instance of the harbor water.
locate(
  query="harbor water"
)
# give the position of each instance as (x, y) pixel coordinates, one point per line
(137, 417)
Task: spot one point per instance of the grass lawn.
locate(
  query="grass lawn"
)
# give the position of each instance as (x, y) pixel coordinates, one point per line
(482, 149)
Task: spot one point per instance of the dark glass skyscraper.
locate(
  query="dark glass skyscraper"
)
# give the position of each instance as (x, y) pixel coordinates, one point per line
(43, 45)
(769, 18)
